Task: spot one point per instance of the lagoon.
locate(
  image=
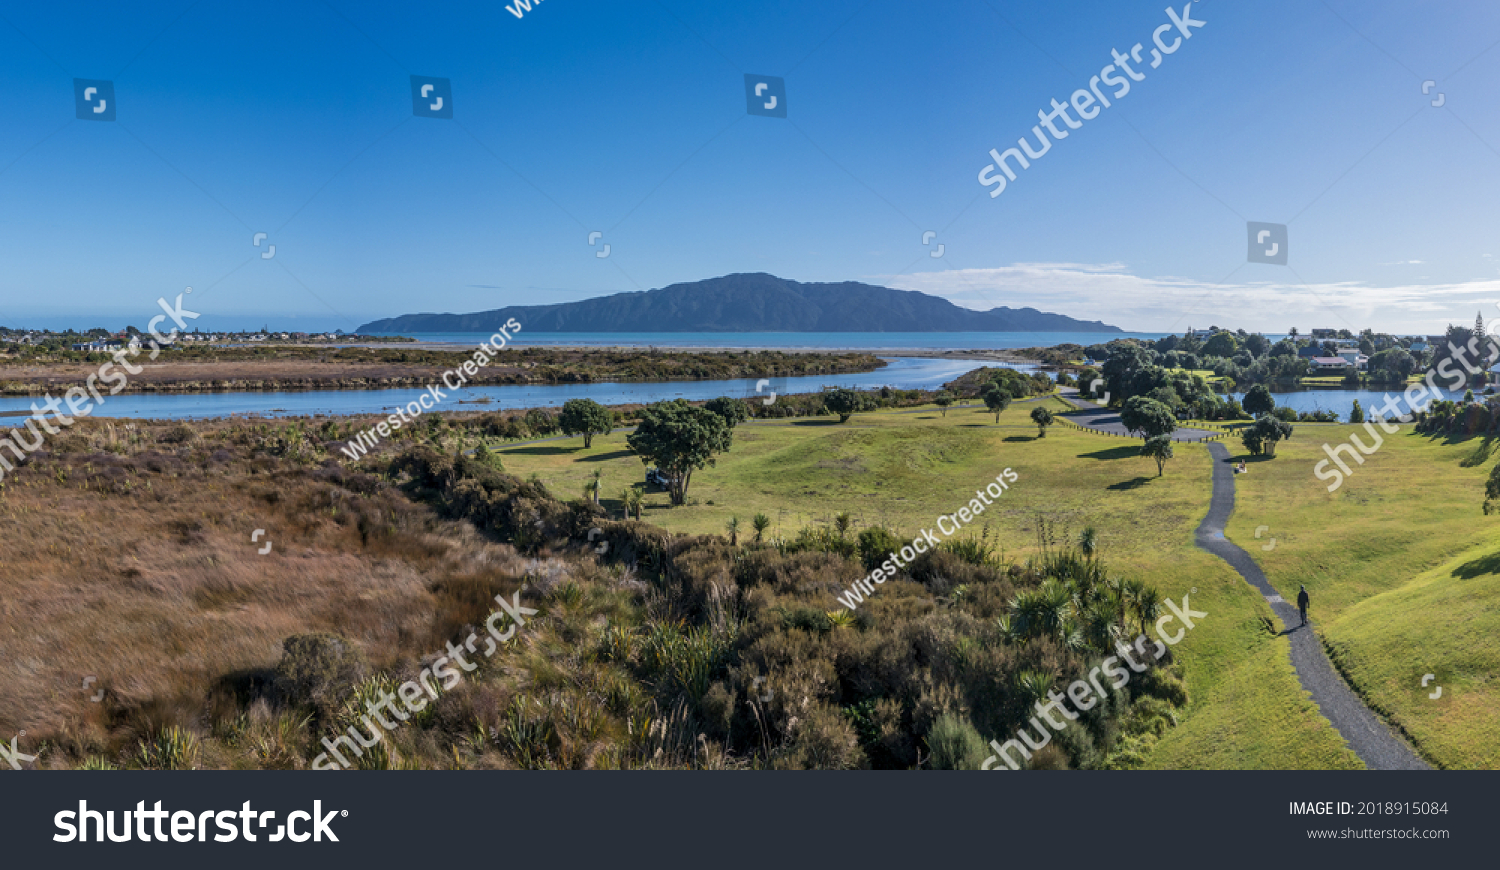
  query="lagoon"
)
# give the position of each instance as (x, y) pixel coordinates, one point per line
(905, 373)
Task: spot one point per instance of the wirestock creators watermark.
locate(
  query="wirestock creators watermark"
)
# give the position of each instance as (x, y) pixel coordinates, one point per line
(453, 379)
(925, 541)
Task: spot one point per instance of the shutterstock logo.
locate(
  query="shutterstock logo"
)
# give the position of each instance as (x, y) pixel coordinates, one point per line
(190, 827)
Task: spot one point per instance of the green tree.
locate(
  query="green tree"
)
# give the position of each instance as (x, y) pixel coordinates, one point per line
(1258, 401)
(679, 438)
(760, 522)
(1158, 447)
(845, 403)
(1356, 413)
(1221, 344)
(943, 400)
(1262, 436)
(996, 398)
(1148, 418)
(732, 410)
(1042, 418)
(733, 528)
(585, 417)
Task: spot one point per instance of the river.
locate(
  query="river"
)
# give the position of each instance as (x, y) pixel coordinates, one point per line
(905, 373)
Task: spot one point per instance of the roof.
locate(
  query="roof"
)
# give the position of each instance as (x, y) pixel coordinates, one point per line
(1330, 361)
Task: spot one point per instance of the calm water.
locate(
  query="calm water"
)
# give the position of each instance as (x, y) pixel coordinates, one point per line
(883, 341)
(905, 373)
(1341, 402)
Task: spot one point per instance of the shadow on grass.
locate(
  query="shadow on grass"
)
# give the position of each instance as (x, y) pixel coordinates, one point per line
(818, 422)
(605, 457)
(1137, 483)
(1015, 438)
(1478, 567)
(1124, 451)
(541, 450)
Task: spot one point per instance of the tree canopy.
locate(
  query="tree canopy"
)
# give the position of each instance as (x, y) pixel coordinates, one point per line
(1148, 417)
(1261, 437)
(997, 398)
(732, 410)
(679, 438)
(1258, 400)
(585, 417)
(846, 403)
(1042, 418)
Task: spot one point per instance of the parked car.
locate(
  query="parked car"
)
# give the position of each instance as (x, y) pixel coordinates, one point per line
(656, 477)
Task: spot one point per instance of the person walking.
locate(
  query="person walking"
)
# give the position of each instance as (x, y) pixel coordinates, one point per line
(1302, 602)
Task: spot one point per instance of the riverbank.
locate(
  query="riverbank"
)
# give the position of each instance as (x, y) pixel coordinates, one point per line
(310, 368)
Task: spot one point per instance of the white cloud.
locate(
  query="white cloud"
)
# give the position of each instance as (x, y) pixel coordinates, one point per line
(1109, 292)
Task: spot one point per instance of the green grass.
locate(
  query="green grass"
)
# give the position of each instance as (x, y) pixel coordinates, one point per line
(903, 470)
(1403, 574)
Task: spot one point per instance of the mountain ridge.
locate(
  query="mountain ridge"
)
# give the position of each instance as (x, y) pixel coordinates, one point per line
(749, 302)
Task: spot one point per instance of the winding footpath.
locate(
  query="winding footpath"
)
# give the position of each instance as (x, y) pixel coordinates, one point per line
(1375, 745)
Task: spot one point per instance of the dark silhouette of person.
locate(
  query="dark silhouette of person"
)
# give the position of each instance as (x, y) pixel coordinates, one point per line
(1302, 602)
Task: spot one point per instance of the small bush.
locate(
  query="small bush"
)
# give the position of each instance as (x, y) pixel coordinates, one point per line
(955, 745)
(319, 670)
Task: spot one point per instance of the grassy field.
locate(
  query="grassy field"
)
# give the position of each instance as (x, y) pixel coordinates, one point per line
(903, 470)
(1403, 572)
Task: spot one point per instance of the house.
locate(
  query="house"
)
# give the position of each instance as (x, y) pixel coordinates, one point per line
(1353, 357)
(1329, 364)
(1419, 347)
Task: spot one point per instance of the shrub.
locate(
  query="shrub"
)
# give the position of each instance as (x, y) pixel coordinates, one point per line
(955, 745)
(319, 669)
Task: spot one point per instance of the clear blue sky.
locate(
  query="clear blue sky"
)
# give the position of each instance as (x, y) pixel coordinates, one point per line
(295, 119)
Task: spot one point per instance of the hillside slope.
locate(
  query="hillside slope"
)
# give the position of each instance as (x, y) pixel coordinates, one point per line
(749, 303)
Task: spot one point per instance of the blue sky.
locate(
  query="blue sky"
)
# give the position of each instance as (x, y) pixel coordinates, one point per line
(629, 119)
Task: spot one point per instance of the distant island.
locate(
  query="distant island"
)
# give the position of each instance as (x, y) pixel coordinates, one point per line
(754, 302)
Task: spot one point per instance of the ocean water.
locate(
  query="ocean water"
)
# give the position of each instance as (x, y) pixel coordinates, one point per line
(889, 342)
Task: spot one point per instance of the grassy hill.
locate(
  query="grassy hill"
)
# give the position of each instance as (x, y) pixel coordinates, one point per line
(902, 470)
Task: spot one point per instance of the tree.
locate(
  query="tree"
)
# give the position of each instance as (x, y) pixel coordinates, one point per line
(1042, 418)
(1159, 448)
(1261, 437)
(633, 503)
(733, 528)
(585, 417)
(845, 403)
(1258, 345)
(732, 410)
(1492, 492)
(943, 400)
(996, 398)
(1356, 413)
(1258, 401)
(1148, 417)
(760, 522)
(1221, 344)
(679, 438)
(595, 483)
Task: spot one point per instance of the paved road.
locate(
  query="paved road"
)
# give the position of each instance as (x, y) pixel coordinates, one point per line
(1092, 416)
(1376, 746)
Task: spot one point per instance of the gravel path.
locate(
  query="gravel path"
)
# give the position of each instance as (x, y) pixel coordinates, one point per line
(1376, 746)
